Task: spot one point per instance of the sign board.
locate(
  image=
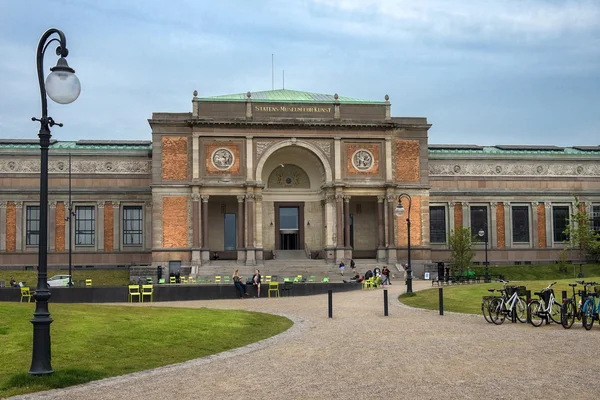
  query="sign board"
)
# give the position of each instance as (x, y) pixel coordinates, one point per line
(426, 275)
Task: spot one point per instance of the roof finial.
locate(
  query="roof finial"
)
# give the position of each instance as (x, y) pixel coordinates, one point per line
(335, 96)
(387, 98)
(195, 93)
(248, 95)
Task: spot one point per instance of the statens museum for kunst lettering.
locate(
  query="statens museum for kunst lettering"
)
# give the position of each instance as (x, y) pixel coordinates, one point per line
(254, 176)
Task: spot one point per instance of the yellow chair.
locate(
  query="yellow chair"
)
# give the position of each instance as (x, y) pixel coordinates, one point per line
(25, 293)
(367, 284)
(147, 290)
(172, 279)
(273, 287)
(88, 283)
(299, 277)
(183, 279)
(191, 279)
(218, 279)
(268, 278)
(134, 290)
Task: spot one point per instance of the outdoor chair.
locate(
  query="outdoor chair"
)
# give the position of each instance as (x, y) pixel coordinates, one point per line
(312, 278)
(367, 284)
(161, 281)
(88, 283)
(296, 280)
(325, 280)
(134, 291)
(147, 290)
(299, 277)
(183, 279)
(2, 284)
(149, 280)
(191, 279)
(274, 278)
(273, 287)
(25, 293)
(287, 287)
(226, 279)
(172, 279)
(268, 278)
(218, 279)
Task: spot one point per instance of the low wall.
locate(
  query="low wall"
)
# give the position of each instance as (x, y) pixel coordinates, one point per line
(113, 294)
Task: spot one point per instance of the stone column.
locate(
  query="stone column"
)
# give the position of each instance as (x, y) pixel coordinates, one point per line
(100, 241)
(534, 225)
(240, 228)
(466, 215)
(258, 225)
(549, 237)
(507, 235)
(195, 157)
(116, 225)
(19, 226)
(493, 227)
(347, 221)
(2, 226)
(330, 231)
(52, 225)
(204, 222)
(195, 220)
(380, 229)
(451, 206)
(251, 246)
(148, 225)
(339, 221)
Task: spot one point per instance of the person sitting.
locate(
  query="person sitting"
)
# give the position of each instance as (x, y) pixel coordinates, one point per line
(256, 281)
(368, 274)
(13, 283)
(241, 286)
(215, 255)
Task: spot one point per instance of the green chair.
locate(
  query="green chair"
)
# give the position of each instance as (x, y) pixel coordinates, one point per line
(312, 278)
(161, 280)
(226, 279)
(286, 280)
(296, 280)
(325, 280)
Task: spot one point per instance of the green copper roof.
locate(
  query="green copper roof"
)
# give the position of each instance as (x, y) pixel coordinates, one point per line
(513, 149)
(289, 96)
(78, 145)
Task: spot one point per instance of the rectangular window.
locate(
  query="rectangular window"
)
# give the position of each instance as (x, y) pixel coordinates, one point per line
(229, 229)
(437, 224)
(85, 225)
(596, 218)
(520, 224)
(132, 225)
(479, 222)
(32, 233)
(560, 220)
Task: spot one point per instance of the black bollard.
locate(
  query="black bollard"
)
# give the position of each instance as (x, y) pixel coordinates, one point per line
(441, 292)
(528, 300)
(330, 296)
(385, 303)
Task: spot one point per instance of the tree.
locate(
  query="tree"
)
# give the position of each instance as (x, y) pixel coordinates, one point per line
(461, 247)
(582, 238)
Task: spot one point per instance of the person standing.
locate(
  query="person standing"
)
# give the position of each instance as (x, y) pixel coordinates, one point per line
(342, 267)
(386, 272)
(256, 282)
(353, 266)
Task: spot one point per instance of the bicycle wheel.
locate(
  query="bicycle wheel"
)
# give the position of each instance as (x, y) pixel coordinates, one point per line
(567, 315)
(587, 317)
(496, 311)
(521, 310)
(485, 304)
(555, 312)
(534, 310)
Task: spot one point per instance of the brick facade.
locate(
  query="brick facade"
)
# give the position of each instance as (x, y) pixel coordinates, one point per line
(109, 221)
(415, 223)
(175, 222)
(174, 158)
(59, 243)
(458, 216)
(500, 226)
(407, 160)
(11, 227)
(541, 214)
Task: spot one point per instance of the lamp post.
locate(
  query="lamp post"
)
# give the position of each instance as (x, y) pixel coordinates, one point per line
(399, 212)
(483, 234)
(68, 219)
(63, 87)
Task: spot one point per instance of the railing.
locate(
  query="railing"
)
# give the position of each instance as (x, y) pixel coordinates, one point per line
(307, 250)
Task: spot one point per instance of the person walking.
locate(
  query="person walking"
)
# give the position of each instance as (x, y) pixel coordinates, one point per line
(386, 272)
(353, 266)
(342, 267)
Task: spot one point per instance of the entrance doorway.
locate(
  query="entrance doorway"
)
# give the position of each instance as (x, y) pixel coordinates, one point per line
(289, 226)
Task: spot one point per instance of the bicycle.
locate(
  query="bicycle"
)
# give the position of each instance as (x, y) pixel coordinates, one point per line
(571, 308)
(485, 304)
(545, 307)
(507, 304)
(589, 310)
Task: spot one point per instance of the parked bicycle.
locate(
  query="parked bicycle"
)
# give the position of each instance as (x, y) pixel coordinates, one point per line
(571, 309)
(544, 308)
(589, 310)
(510, 302)
(485, 304)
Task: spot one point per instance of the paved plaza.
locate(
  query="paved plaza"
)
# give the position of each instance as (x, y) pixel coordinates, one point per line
(360, 354)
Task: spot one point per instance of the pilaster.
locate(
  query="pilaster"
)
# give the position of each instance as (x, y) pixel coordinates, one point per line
(116, 226)
(19, 226)
(52, 225)
(534, 225)
(2, 226)
(549, 237)
(100, 227)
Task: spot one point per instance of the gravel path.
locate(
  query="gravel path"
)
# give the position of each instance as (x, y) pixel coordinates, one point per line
(360, 354)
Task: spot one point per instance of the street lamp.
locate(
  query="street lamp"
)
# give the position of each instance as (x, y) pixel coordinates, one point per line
(483, 234)
(400, 212)
(68, 219)
(63, 87)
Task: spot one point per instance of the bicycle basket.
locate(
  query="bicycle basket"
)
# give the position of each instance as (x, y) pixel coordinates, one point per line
(546, 295)
(510, 290)
(521, 291)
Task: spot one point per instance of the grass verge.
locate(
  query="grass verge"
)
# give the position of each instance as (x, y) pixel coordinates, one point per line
(92, 342)
(99, 277)
(539, 271)
(467, 298)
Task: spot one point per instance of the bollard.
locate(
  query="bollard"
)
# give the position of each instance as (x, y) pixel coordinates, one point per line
(385, 303)
(330, 296)
(441, 292)
(528, 299)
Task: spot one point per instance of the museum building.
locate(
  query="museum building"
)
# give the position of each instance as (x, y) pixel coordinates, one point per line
(251, 176)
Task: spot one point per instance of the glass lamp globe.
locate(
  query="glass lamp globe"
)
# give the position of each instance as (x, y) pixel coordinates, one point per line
(62, 85)
(399, 211)
(481, 232)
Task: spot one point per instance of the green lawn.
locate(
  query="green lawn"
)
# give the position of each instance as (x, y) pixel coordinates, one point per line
(467, 298)
(539, 271)
(99, 277)
(92, 342)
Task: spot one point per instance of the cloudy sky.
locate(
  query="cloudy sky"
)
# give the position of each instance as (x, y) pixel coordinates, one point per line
(482, 71)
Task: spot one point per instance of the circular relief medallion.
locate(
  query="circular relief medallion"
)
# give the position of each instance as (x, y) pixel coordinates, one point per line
(579, 170)
(498, 169)
(456, 169)
(222, 158)
(539, 169)
(108, 166)
(12, 166)
(60, 165)
(362, 160)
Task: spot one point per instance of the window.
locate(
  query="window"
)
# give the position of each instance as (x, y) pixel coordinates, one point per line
(132, 225)
(560, 220)
(596, 218)
(437, 224)
(32, 232)
(229, 229)
(478, 222)
(520, 224)
(85, 226)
